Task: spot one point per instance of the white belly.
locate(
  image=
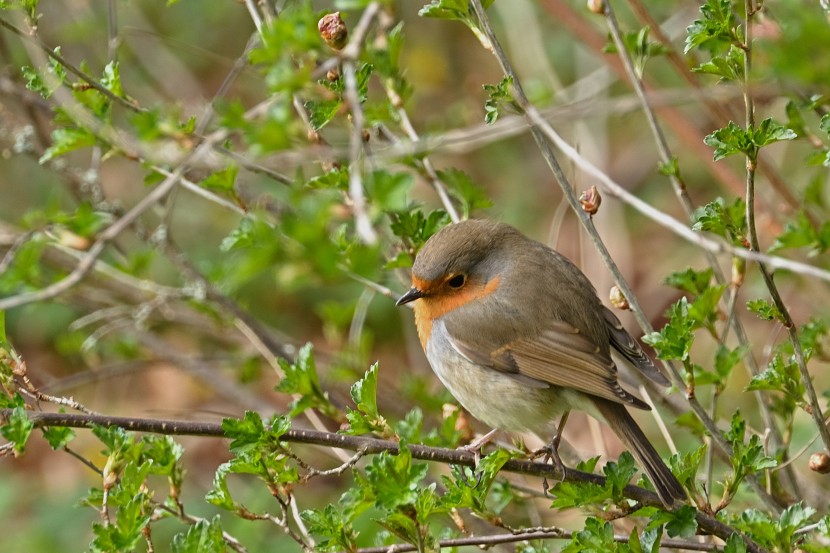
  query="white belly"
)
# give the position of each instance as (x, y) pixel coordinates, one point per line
(496, 398)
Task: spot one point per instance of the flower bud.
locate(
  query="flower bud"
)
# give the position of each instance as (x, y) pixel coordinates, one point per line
(590, 200)
(332, 75)
(618, 299)
(596, 6)
(333, 30)
(820, 462)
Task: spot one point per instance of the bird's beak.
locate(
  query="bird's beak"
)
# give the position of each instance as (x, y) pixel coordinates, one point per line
(412, 295)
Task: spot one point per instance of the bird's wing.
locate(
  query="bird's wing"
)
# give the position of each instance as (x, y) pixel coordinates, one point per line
(628, 347)
(561, 356)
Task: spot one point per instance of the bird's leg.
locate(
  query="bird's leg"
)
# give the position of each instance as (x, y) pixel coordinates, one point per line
(551, 452)
(475, 447)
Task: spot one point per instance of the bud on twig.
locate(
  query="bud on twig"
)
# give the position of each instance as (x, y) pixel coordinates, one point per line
(618, 299)
(333, 30)
(590, 200)
(820, 462)
(332, 75)
(596, 6)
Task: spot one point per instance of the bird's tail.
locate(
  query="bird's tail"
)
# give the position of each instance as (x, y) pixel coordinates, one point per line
(669, 489)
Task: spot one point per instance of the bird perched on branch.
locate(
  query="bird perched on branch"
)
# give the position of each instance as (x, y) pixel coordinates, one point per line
(517, 333)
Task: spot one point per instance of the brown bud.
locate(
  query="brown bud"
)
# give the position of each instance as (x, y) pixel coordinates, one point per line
(366, 135)
(332, 75)
(333, 30)
(820, 462)
(590, 200)
(618, 299)
(596, 6)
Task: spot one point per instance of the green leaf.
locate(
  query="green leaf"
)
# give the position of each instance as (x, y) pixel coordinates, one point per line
(734, 544)
(715, 28)
(689, 280)
(498, 97)
(58, 436)
(394, 479)
(220, 494)
(730, 140)
(332, 528)
(223, 180)
(618, 475)
(675, 339)
(416, 228)
(729, 67)
(388, 190)
(764, 310)
(683, 523)
(686, 466)
(780, 376)
(639, 47)
(322, 112)
(65, 141)
(596, 537)
(461, 186)
(728, 221)
(203, 537)
(17, 429)
(800, 233)
(733, 140)
(300, 377)
(366, 418)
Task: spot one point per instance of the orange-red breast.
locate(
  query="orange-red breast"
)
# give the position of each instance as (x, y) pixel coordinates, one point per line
(517, 333)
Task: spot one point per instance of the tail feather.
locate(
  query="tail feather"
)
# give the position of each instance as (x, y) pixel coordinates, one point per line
(669, 489)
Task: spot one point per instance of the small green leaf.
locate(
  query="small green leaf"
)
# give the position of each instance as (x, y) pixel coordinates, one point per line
(729, 140)
(462, 187)
(618, 475)
(689, 280)
(223, 180)
(243, 433)
(203, 537)
(674, 340)
(596, 537)
(332, 527)
(414, 227)
(764, 310)
(715, 28)
(17, 429)
(366, 418)
(394, 479)
(729, 67)
(321, 113)
(498, 97)
(65, 141)
(728, 221)
(58, 436)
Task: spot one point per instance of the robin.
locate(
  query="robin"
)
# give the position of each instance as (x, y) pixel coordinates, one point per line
(517, 333)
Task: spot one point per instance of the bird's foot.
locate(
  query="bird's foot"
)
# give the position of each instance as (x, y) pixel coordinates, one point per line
(475, 448)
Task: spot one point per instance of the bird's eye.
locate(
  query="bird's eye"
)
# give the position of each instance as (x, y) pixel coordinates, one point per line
(457, 281)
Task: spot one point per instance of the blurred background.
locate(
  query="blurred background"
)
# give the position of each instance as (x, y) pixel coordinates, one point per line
(198, 297)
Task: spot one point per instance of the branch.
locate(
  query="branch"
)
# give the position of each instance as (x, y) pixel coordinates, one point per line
(367, 445)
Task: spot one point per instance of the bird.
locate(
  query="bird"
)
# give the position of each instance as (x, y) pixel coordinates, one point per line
(517, 334)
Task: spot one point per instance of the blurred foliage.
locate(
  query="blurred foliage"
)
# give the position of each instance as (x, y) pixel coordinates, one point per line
(303, 177)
